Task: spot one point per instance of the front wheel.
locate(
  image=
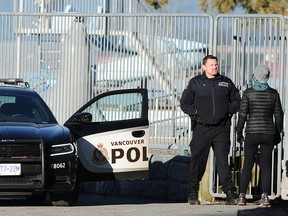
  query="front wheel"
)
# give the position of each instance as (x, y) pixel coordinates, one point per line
(65, 199)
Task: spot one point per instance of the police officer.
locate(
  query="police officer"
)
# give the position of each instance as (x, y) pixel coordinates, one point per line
(210, 99)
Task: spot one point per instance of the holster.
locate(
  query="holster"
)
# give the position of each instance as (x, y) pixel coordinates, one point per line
(193, 121)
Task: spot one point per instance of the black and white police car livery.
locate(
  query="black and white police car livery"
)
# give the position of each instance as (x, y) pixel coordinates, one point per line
(106, 139)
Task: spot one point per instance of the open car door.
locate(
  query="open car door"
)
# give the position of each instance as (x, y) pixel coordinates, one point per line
(112, 134)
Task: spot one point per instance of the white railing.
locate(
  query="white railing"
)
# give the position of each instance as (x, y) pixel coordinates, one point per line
(70, 57)
(68, 60)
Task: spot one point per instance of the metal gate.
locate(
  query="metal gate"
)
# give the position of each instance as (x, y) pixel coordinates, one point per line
(241, 43)
(70, 57)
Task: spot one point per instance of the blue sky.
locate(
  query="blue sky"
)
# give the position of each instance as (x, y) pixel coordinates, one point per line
(191, 6)
(6, 5)
(183, 6)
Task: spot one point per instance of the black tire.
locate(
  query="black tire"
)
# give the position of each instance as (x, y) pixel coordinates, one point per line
(65, 199)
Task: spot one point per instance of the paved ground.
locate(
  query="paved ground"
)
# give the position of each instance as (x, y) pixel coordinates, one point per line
(130, 206)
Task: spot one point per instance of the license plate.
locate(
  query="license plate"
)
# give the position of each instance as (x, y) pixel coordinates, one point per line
(10, 169)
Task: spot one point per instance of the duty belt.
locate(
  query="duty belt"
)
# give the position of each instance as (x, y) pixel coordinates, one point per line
(212, 125)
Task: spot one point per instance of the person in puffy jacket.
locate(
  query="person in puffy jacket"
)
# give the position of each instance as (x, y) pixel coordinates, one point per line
(210, 99)
(261, 111)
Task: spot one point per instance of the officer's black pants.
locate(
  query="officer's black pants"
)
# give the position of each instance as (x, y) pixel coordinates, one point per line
(252, 141)
(203, 138)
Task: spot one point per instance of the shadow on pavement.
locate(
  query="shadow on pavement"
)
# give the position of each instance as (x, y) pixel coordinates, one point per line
(84, 200)
(19, 201)
(91, 200)
(264, 212)
(278, 208)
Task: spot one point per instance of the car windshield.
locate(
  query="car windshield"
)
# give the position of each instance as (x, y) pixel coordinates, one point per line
(23, 108)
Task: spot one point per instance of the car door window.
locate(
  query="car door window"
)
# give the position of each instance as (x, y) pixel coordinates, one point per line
(116, 107)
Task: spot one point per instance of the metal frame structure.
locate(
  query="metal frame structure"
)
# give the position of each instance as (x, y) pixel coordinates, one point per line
(71, 56)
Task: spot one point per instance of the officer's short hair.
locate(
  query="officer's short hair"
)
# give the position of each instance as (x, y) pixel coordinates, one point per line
(209, 57)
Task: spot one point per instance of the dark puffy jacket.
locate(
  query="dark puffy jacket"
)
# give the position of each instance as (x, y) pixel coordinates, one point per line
(260, 109)
(212, 100)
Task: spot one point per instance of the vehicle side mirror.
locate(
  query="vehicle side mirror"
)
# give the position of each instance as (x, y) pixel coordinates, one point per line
(84, 117)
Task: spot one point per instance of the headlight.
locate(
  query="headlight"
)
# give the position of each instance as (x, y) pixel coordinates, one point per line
(61, 149)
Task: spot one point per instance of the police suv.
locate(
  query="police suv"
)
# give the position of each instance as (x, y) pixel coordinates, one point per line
(106, 139)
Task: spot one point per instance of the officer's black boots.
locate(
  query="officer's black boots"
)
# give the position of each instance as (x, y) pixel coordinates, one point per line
(193, 196)
(231, 197)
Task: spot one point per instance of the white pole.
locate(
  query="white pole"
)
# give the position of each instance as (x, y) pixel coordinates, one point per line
(18, 26)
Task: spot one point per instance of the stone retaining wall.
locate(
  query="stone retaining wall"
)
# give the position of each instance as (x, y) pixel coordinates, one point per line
(167, 181)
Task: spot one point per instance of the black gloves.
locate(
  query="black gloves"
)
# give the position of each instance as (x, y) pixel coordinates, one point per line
(240, 137)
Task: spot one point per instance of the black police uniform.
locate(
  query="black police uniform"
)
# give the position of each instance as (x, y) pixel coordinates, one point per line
(210, 102)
